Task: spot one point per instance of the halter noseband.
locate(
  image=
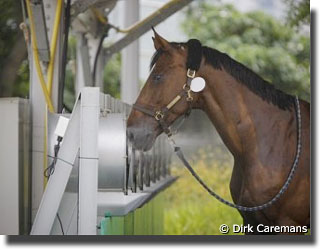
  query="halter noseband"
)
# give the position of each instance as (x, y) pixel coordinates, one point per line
(161, 114)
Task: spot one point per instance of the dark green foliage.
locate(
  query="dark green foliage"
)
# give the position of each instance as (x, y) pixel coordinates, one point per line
(21, 88)
(13, 58)
(9, 27)
(298, 13)
(69, 91)
(275, 51)
(111, 76)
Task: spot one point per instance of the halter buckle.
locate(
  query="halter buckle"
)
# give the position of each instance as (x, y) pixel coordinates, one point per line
(158, 115)
(191, 73)
(189, 96)
(186, 87)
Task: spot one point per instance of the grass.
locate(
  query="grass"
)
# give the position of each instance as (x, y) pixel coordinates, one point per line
(189, 209)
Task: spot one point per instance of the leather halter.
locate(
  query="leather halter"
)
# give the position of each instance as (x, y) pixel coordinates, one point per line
(161, 114)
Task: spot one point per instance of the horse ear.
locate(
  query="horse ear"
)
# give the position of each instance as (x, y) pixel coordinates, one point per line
(160, 42)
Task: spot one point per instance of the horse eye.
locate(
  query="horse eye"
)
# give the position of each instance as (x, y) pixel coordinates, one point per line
(156, 77)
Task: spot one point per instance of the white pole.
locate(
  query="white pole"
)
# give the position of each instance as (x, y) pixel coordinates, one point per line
(83, 72)
(38, 110)
(130, 57)
(88, 169)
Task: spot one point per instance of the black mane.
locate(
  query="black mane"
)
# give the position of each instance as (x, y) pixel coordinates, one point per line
(245, 76)
(242, 74)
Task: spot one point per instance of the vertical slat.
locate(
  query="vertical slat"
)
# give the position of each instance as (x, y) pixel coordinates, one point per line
(88, 169)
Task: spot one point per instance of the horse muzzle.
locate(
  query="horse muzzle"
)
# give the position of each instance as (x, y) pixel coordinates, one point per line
(141, 138)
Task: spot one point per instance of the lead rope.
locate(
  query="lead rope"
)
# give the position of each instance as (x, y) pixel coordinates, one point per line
(180, 155)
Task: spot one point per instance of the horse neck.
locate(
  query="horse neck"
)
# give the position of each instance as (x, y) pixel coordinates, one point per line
(243, 120)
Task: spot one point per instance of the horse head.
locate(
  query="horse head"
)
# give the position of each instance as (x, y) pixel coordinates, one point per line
(167, 79)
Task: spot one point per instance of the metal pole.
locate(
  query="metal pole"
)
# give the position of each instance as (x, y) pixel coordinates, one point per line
(83, 73)
(38, 110)
(142, 27)
(130, 57)
(50, 10)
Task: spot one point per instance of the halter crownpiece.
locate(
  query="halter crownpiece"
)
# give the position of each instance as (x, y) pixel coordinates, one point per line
(194, 54)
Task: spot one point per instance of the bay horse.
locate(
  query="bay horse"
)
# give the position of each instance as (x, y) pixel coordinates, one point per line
(256, 122)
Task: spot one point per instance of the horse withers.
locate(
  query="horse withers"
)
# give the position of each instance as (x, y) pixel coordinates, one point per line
(257, 123)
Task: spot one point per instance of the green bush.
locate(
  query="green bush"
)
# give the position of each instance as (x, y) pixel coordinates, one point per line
(189, 209)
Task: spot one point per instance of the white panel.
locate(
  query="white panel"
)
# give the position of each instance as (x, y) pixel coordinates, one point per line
(14, 166)
(9, 157)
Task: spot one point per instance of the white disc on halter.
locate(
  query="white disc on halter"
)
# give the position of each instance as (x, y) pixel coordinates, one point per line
(197, 84)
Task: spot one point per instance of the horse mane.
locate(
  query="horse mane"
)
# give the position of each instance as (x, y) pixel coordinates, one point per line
(250, 79)
(262, 88)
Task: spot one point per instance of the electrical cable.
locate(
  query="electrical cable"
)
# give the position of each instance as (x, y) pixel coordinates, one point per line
(64, 57)
(60, 222)
(96, 58)
(50, 171)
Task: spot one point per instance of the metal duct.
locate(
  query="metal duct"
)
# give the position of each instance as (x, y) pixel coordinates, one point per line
(112, 145)
(120, 166)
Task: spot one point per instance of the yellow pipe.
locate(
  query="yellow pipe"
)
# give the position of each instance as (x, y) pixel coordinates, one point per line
(101, 18)
(36, 59)
(53, 45)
